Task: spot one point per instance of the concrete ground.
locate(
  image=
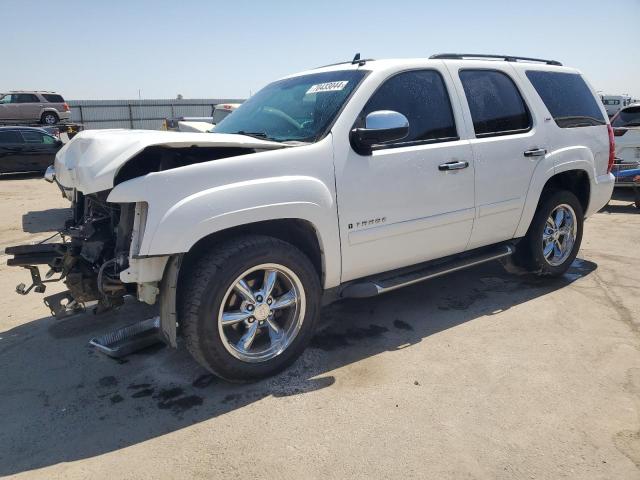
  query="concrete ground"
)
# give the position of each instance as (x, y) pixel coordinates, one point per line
(480, 374)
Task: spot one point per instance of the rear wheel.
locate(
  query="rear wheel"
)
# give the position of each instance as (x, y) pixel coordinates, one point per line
(250, 307)
(554, 236)
(49, 118)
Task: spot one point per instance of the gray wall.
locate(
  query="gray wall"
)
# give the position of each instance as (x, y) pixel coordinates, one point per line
(139, 114)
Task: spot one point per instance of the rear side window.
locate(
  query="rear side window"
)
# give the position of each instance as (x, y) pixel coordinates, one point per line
(10, 137)
(568, 98)
(422, 97)
(50, 97)
(496, 106)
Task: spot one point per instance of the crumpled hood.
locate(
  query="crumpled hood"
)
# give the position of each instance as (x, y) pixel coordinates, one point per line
(91, 160)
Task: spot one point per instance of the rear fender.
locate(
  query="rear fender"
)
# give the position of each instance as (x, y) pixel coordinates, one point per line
(562, 160)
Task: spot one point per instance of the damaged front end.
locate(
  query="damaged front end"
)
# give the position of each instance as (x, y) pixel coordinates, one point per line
(93, 252)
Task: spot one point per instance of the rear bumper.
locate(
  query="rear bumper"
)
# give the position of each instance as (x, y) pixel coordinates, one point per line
(601, 191)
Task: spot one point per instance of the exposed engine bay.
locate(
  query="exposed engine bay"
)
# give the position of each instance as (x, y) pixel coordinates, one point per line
(94, 250)
(97, 241)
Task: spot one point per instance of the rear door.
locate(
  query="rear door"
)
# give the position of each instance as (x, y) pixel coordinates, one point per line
(39, 149)
(508, 142)
(29, 107)
(11, 154)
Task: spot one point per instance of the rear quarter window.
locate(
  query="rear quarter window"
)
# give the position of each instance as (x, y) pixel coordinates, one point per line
(568, 98)
(53, 98)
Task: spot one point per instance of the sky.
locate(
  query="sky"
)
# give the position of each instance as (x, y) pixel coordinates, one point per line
(98, 49)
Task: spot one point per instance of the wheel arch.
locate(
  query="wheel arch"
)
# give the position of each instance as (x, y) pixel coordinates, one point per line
(575, 180)
(300, 233)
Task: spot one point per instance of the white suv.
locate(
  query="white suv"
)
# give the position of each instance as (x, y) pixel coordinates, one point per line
(350, 180)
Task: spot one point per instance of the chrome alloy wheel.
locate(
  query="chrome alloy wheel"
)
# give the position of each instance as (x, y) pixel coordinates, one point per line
(261, 312)
(559, 235)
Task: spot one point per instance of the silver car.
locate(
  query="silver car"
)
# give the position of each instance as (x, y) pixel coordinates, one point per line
(47, 108)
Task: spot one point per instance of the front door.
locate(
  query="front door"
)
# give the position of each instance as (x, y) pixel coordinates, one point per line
(11, 154)
(399, 206)
(9, 107)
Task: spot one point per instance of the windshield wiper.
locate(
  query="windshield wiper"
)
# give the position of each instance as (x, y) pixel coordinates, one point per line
(255, 135)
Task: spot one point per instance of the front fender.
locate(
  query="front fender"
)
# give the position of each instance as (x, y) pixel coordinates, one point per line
(226, 206)
(189, 203)
(177, 228)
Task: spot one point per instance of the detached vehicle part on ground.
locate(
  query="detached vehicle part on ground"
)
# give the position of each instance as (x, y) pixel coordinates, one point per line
(350, 180)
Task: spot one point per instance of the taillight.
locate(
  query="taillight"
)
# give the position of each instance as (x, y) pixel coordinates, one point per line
(612, 148)
(65, 107)
(618, 132)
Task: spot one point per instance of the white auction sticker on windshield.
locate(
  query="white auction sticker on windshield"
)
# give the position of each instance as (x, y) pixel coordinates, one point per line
(327, 87)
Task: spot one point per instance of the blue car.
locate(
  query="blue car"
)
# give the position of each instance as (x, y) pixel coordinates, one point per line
(628, 175)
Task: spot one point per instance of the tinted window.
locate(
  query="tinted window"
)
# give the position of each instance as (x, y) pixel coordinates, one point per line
(495, 103)
(31, 136)
(53, 98)
(567, 98)
(25, 98)
(629, 117)
(10, 137)
(422, 97)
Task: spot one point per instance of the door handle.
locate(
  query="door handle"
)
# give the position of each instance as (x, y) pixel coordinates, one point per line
(535, 152)
(456, 165)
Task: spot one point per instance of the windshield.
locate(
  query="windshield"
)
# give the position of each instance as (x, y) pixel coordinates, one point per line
(629, 117)
(219, 114)
(294, 109)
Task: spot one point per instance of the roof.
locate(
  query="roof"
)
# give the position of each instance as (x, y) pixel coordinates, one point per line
(424, 62)
(19, 127)
(32, 91)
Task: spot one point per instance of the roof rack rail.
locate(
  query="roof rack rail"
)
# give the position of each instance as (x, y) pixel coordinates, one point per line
(506, 58)
(356, 60)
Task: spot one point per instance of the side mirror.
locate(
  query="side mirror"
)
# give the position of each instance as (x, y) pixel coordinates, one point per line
(381, 126)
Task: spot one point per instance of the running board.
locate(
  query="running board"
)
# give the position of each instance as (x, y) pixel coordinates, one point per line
(390, 281)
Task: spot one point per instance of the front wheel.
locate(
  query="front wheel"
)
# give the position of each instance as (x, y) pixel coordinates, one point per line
(250, 307)
(554, 236)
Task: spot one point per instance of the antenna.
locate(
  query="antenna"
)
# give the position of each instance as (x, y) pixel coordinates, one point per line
(356, 59)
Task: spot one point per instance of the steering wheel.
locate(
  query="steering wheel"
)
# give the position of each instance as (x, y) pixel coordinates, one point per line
(283, 116)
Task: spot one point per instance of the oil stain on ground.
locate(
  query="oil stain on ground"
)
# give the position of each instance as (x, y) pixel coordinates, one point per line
(400, 325)
(331, 340)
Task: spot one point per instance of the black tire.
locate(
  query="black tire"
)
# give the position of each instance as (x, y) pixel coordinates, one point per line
(207, 283)
(49, 118)
(529, 251)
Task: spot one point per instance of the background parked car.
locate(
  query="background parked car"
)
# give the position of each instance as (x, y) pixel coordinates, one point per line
(26, 149)
(200, 124)
(626, 128)
(47, 108)
(613, 103)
